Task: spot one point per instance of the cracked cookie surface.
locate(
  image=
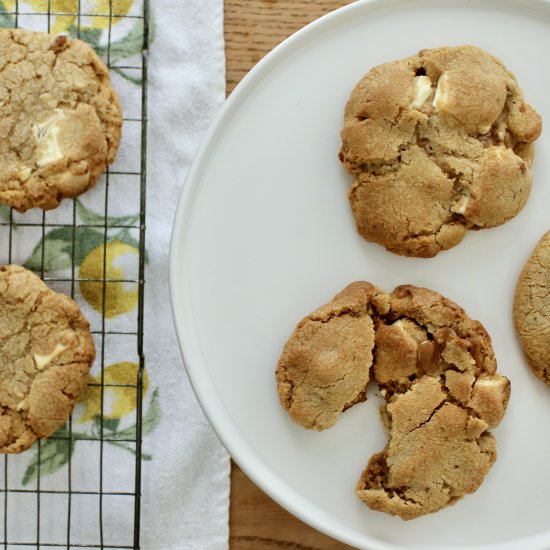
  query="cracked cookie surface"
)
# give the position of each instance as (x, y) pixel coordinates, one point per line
(532, 309)
(435, 368)
(60, 119)
(46, 352)
(438, 143)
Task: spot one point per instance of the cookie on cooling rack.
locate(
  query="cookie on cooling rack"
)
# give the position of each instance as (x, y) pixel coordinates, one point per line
(438, 143)
(435, 368)
(46, 352)
(532, 309)
(60, 119)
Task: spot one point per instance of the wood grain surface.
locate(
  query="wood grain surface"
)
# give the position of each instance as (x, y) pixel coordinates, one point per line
(255, 27)
(252, 29)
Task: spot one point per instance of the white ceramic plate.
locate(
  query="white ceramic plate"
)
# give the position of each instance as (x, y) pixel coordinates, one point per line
(264, 234)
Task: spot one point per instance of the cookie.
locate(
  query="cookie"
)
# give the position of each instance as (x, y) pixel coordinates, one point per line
(46, 352)
(60, 119)
(325, 365)
(436, 370)
(532, 309)
(437, 143)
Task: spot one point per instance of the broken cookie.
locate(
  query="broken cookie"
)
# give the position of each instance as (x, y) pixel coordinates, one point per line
(46, 352)
(435, 368)
(532, 309)
(438, 143)
(437, 371)
(60, 119)
(325, 365)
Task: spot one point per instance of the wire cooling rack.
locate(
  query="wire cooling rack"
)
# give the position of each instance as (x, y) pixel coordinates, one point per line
(59, 513)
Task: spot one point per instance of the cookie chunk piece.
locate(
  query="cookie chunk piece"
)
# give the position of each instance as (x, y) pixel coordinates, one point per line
(325, 365)
(60, 119)
(532, 309)
(435, 368)
(46, 352)
(437, 371)
(437, 143)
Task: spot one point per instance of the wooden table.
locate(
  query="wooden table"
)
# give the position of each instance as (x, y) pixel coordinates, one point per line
(253, 28)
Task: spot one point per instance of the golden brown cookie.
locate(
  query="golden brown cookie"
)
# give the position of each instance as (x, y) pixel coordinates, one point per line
(325, 365)
(46, 352)
(435, 368)
(60, 119)
(438, 143)
(437, 371)
(532, 309)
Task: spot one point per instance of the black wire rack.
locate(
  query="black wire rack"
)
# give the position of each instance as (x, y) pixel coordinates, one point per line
(62, 514)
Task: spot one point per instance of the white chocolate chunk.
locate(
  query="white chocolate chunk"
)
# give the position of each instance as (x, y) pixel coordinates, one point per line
(421, 91)
(79, 181)
(47, 138)
(42, 360)
(502, 121)
(441, 96)
(494, 383)
(460, 206)
(22, 405)
(484, 129)
(501, 152)
(24, 173)
(410, 329)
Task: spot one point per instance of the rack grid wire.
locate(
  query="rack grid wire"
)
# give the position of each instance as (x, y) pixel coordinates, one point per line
(14, 14)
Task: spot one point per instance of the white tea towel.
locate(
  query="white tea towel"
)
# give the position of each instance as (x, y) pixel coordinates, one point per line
(186, 485)
(78, 487)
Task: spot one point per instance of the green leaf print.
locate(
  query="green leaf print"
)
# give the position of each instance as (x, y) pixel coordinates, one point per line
(128, 46)
(124, 237)
(133, 80)
(6, 19)
(56, 451)
(109, 424)
(58, 248)
(152, 417)
(91, 218)
(5, 212)
(92, 36)
(150, 420)
(58, 243)
(54, 454)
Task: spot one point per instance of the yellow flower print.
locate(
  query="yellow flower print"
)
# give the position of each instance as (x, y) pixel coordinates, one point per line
(119, 297)
(118, 8)
(118, 401)
(95, 8)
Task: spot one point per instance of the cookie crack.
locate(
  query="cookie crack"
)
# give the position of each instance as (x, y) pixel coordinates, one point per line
(399, 492)
(427, 421)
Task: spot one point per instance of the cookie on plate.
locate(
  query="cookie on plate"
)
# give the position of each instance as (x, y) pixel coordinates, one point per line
(46, 352)
(437, 143)
(532, 309)
(325, 365)
(60, 119)
(436, 370)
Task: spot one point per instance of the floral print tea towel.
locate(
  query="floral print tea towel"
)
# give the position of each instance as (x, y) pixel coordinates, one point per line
(77, 488)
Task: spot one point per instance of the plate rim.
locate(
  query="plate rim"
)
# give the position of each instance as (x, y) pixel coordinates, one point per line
(253, 468)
